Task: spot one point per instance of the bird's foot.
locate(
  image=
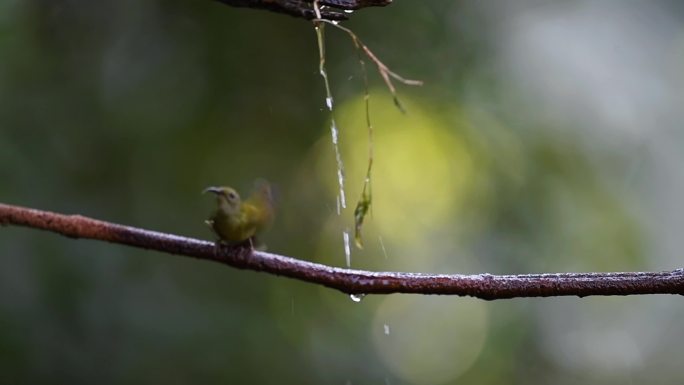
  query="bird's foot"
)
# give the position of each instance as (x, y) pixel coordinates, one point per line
(257, 245)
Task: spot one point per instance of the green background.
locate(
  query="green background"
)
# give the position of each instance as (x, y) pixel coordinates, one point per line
(547, 138)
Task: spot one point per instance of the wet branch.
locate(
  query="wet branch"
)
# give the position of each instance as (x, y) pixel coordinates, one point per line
(484, 286)
(334, 9)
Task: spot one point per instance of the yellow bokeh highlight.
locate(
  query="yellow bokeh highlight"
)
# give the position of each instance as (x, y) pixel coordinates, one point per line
(422, 165)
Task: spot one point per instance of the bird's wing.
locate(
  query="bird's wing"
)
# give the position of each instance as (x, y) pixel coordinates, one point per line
(251, 214)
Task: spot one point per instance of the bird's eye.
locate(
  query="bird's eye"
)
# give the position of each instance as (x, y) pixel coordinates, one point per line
(232, 195)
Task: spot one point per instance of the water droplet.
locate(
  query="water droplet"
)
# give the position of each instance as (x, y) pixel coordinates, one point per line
(387, 329)
(340, 165)
(334, 132)
(357, 297)
(348, 11)
(347, 248)
(340, 181)
(329, 102)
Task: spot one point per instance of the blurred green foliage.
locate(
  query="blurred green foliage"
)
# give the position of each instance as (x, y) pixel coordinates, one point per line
(126, 110)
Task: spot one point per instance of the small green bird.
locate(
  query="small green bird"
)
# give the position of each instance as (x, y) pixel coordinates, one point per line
(235, 221)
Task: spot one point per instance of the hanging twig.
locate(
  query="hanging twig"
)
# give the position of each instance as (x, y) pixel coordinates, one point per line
(364, 205)
(484, 286)
(385, 72)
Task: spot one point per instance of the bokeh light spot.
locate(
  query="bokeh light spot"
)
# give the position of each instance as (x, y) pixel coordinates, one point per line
(433, 341)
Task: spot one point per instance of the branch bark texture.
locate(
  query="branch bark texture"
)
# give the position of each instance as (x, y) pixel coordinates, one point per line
(331, 9)
(484, 286)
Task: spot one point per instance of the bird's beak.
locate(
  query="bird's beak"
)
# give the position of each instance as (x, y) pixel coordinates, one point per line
(215, 190)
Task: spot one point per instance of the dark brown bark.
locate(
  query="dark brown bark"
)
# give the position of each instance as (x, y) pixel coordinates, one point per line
(331, 10)
(484, 286)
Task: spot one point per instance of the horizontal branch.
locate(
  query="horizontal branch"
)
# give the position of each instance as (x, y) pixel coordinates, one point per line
(484, 286)
(334, 9)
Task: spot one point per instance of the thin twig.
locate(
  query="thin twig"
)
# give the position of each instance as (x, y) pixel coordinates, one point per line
(484, 286)
(384, 71)
(365, 203)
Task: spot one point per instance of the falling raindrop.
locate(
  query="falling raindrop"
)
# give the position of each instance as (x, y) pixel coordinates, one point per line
(347, 248)
(329, 104)
(382, 246)
(387, 329)
(334, 132)
(357, 297)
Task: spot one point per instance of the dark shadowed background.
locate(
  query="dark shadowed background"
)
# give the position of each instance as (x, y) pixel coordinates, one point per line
(547, 138)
